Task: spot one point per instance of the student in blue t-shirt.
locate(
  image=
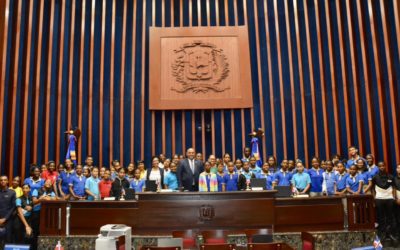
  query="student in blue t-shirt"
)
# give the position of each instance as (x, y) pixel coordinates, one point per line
(266, 175)
(353, 157)
(220, 176)
(372, 168)
(316, 177)
(77, 185)
(340, 179)
(328, 185)
(301, 181)
(138, 184)
(253, 166)
(282, 177)
(24, 206)
(92, 185)
(354, 181)
(34, 182)
(231, 178)
(64, 179)
(171, 179)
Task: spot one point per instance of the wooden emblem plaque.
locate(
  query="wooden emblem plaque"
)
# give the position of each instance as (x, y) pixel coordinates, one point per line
(200, 68)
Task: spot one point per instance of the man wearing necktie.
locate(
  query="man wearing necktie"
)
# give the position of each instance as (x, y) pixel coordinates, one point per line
(188, 172)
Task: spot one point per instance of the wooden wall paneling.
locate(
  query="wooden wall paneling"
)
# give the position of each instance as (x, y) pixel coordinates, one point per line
(344, 72)
(91, 65)
(270, 79)
(391, 83)
(142, 96)
(163, 135)
(322, 83)
(122, 85)
(208, 13)
(48, 83)
(354, 75)
(4, 23)
(81, 72)
(369, 111)
(233, 130)
(71, 63)
(281, 86)
(173, 133)
(396, 7)
(312, 83)
(329, 27)
(101, 83)
(37, 82)
(301, 81)
(242, 110)
(380, 84)
(182, 112)
(59, 79)
(203, 125)
(133, 77)
(26, 88)
(259, 74)
(15, 62)
(213, 111)
(153, 115)
(292, 88)
(251, 109)
(112, 80)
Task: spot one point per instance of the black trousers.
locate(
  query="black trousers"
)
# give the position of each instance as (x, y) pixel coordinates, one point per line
(396, 209)
(20, 231)
(385, 216)
(35, 222)
(8, 238)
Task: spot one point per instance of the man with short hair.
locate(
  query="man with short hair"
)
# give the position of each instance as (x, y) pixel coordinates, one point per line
(353, 157)
(7, 208)
(188, 172)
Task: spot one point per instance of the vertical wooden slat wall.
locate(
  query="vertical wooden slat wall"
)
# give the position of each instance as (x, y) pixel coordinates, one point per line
(322, 80)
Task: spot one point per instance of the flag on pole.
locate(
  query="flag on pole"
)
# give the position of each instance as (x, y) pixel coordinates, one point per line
(377, 243)
(255, 151)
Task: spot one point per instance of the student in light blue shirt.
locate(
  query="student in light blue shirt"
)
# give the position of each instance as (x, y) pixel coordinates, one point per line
(340, 179)
(171, 180)
(138, 184)
(301, 181)
(92, 185)
(246, 171)
(266, 175)
(34, 182)
(328, 185)
(354, 181)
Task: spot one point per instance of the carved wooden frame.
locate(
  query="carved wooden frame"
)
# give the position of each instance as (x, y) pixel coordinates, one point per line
(241, 67)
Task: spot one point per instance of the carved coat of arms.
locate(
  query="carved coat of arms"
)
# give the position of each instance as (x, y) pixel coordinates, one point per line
(200, 67)
(206, 213)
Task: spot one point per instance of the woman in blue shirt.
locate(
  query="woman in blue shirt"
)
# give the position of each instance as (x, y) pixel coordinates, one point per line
(266, 175)
(34, 182)
(354, 182)
(316, 177)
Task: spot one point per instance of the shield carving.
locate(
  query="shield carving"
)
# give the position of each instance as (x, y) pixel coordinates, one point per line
(206, 213)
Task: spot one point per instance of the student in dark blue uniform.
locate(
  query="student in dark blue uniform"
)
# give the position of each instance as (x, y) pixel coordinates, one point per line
(231, 178)
(220, 175)
(7, 208)
(64, 179)
(354, 181)
(77, 184)
(282, 177)
(316, 177)
(266, 175)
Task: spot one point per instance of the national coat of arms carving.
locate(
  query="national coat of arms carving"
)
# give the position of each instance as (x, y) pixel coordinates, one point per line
(200, 67)
(206, 213)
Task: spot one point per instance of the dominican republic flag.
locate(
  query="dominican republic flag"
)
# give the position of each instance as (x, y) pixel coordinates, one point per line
(377, 243)
(255, 151)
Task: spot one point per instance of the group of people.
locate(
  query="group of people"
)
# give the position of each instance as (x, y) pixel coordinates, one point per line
(20, 205)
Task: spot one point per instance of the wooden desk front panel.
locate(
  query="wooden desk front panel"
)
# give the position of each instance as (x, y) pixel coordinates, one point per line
(226, 214)
(309, 214)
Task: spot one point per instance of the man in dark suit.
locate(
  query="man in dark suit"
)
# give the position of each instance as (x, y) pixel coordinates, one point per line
(188, 171)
